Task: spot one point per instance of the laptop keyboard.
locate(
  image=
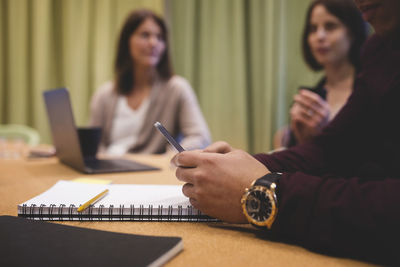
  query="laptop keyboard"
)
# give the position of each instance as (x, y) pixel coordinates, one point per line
(101, 164)
(109, 165)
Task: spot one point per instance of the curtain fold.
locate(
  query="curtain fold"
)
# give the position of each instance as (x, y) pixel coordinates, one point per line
(57, 43)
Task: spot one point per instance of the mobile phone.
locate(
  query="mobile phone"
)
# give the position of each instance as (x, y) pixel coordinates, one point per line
(320, 92)
(305, 88)
(168, 136)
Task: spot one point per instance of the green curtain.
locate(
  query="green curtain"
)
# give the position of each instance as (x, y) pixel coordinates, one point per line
(55, 43)
(243, 58)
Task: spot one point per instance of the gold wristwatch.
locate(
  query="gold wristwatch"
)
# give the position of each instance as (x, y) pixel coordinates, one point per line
(259, 202)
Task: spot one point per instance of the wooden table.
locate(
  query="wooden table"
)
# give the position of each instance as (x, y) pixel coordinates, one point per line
(205, 244)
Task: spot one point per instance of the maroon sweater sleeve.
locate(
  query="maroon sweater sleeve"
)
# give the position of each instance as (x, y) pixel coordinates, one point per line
(340, 193)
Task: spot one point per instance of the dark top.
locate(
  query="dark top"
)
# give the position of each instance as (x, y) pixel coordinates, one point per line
(320, 90)
(340, 192)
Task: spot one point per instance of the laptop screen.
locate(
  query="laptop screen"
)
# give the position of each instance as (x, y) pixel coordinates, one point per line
(63, 129)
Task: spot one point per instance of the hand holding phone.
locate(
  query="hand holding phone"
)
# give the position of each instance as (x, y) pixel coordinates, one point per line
(168, 136)
(319, 91)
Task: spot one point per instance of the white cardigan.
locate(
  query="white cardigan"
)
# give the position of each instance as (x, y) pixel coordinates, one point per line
(173, 103)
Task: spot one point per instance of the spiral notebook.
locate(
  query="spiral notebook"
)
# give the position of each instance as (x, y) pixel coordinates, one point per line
(124, 202)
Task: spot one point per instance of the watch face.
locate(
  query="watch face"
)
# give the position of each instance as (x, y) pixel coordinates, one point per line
(258, 205)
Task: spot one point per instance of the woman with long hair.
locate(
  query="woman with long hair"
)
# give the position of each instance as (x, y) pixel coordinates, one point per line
(144, 91)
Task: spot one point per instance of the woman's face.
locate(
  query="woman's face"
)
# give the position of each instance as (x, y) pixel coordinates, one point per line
(328, 38)
(382, 14)
(146, 44)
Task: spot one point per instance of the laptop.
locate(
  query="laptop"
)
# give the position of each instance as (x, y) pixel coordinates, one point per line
(66, 140)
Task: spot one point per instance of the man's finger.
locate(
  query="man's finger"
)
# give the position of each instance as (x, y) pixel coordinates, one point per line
(188, 159)
(219, 147)
(186, 174)
(188, 190)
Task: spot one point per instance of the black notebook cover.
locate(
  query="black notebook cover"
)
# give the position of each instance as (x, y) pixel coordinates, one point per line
(36, 243)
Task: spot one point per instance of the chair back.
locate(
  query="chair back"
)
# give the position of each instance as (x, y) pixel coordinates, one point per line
(16, 131)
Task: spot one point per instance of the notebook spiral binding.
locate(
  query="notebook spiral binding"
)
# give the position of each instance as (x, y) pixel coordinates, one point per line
(63, 212)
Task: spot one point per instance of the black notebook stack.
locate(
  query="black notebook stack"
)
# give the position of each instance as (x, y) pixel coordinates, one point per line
(34, 243)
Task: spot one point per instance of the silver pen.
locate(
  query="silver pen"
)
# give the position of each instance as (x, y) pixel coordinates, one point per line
(168, 136)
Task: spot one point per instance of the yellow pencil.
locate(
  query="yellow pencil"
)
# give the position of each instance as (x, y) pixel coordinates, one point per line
(93, 200)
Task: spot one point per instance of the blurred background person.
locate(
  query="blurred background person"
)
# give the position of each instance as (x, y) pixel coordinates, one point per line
(144, 91)
(332, 38)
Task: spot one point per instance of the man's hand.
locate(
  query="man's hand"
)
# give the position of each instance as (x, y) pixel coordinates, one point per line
(215, 182)
(221, 147)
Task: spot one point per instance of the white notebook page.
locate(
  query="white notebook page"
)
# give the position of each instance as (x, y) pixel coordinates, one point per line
(72, 193)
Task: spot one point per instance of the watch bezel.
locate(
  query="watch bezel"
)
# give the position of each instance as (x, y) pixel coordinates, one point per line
(270, 195)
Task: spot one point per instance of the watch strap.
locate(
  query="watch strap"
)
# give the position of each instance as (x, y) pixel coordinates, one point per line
(268, 179)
